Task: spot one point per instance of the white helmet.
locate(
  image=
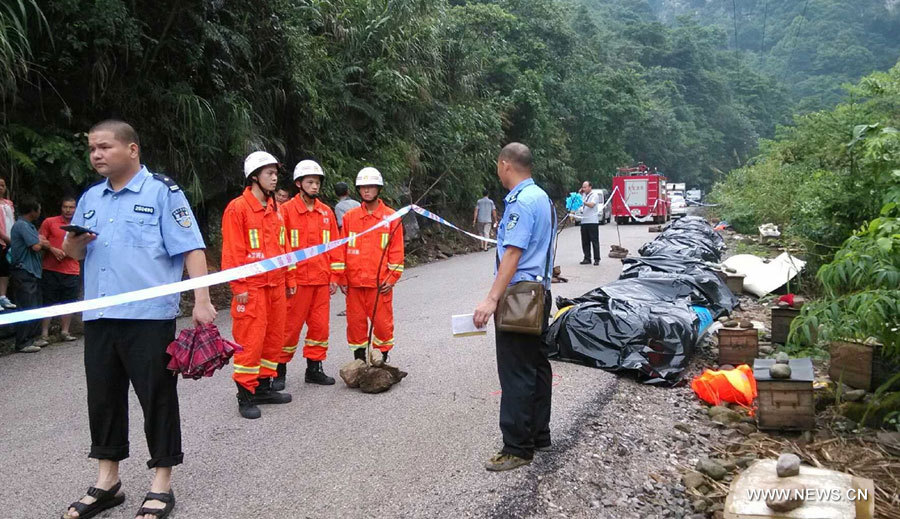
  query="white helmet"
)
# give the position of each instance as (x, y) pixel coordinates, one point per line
(308, 167)
(369, 177)
(256, 160)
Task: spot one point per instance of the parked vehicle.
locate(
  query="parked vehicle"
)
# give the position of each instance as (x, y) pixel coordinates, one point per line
(606, 216)
(693, 195)
(677, 206)
(644, 195)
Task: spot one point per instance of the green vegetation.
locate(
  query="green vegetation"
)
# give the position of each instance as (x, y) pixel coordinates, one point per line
(813, 47)
(426, 90)
(826, 175)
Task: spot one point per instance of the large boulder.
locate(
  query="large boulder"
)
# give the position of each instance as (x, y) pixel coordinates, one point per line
(352, 372)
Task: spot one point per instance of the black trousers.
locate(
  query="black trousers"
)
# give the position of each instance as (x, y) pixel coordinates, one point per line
(590, 237)
(117, 351)
(525, 382)
(26, 290)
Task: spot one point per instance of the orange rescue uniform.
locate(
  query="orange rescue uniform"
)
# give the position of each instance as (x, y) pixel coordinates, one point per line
(311, 304)
(363, 256)
(251, 232)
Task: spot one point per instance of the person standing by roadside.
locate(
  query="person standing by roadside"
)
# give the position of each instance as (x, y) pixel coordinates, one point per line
(374, 264)
(524, 241)
(345, 203)
(59, 281)
(142, 234)
(590, 224)
(485, 217)
(309, 222)
(252, 230)
(7, 218)
(25, 259)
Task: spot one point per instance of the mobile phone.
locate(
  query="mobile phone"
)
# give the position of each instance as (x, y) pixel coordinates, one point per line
(77, 229)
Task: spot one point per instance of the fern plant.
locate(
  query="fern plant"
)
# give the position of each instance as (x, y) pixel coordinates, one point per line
(862, 283)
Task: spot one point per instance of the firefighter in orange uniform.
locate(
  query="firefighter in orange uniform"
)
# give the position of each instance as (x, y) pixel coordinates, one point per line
(309, 222)
(253, 229)
(365, 281)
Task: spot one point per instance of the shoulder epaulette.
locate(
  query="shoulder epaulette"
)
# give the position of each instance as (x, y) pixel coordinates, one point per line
(173, 187)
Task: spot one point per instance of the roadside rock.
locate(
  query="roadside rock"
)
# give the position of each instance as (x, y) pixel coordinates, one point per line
(791, 498)
(681, 426)
(855, 395)
(782, 358)
(693, 480)
(788, 465)
(724, 415)
(780, 371)
(711, 469)
(351, 372)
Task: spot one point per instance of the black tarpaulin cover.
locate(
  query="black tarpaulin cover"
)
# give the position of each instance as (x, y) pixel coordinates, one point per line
(690, 237)
(654, 339)
(644, 321)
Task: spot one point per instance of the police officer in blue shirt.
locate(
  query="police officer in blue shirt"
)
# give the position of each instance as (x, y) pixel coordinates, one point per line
(524, 237)
(142, 234)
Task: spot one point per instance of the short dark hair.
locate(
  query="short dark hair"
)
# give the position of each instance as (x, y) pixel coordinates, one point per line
(485, 192)
(28, 204)
(589, 183)
(341, 189)
(123, 132)
(282, 187)
(518, 154)
(68, 198)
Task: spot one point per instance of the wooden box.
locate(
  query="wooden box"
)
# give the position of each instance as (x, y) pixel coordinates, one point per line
(735, 283)
(781, 323)
(860, 365)
(785, 403)
(738, 346)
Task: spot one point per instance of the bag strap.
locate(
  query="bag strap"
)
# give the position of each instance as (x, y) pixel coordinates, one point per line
(549, 260)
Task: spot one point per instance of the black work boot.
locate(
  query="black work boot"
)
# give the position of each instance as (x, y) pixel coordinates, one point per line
(384, 357)
(315, 374)
(281, 380)
(246, 406)
(266, 395)
(360, 353)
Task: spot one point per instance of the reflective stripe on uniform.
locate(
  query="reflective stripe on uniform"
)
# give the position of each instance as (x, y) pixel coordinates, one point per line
(268, 364)
(384, 240)
(254, 238)
(310, 342)
(338, 266)
(326, 236)
(295, 238)
(395, 267)
(357, 346)
(281, 236)
(289, 349)
(250, 370)
(376, 341)
(352, 237)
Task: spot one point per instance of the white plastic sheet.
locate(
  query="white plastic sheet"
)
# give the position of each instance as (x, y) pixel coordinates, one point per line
(761, 277)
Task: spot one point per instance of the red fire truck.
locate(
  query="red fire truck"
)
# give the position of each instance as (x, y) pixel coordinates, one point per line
(639, 195)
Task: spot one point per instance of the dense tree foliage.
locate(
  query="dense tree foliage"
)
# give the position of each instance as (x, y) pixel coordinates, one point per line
(426, 90)
(827, 174)
(811, 46)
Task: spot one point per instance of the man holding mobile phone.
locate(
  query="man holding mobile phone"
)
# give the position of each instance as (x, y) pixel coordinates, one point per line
(142, 234)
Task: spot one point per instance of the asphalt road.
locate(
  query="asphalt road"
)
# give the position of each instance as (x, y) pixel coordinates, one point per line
(415, 451)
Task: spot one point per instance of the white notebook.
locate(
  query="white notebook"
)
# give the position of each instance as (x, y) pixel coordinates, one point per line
(464, 326)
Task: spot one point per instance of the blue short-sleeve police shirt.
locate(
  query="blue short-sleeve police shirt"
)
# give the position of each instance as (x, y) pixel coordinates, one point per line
(527, 224)
(143, 231)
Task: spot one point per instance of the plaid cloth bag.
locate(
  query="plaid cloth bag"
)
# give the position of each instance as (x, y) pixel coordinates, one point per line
(199, 352)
